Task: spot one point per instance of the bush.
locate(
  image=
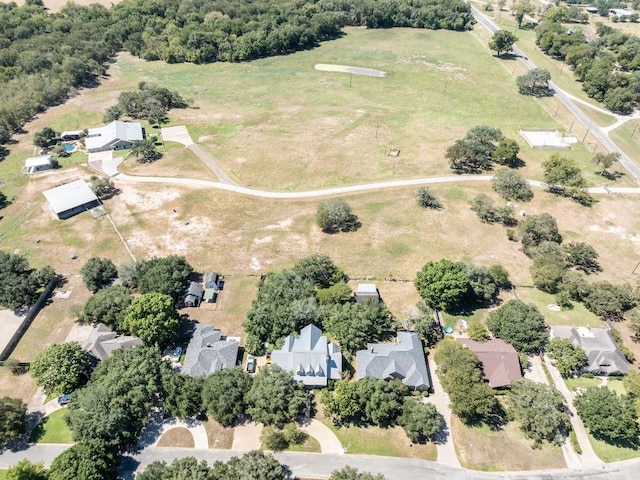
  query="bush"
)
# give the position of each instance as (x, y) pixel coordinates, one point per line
(426, 199)
(335, 216)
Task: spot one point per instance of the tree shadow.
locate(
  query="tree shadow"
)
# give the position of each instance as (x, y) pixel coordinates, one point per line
(612, 176)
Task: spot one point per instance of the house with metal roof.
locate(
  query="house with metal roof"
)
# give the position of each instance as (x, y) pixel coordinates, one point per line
(212, 280)
(102, 342)
(365, 292)
(499, 361)
(604, 356)
(115, 136)
(37, 164)
(70, 135)
(311, 358)
(402, 360)
(209, 352)
(71, 198)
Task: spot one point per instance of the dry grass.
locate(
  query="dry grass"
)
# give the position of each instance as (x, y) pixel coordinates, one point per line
(22, 386)
(480, 448)
(177, 437)
(219, 436)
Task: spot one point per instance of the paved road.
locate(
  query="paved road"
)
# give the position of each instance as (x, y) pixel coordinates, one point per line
(600, 135)
(213, 166)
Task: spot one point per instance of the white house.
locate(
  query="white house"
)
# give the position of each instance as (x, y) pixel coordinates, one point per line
(115, 136)
(37, 164)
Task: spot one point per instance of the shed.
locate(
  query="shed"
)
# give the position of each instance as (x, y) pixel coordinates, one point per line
(71, 198)
(367, 291)
(212, 280)
(37, 164)
(210, 295)
(70, 135)
(194, 295)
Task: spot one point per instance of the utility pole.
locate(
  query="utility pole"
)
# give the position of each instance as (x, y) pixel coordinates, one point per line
(634, 131)
(585, 136)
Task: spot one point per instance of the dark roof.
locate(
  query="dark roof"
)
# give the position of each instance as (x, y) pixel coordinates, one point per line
(500, 363)
(403, 359)
(211, 280)
(196, 289)
(208, 353)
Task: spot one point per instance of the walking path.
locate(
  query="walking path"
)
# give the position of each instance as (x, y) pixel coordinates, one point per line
(328, 441)
(588, 457)
(444, 441)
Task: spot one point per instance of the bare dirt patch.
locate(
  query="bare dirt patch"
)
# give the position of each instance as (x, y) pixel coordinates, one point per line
(177, 437)
(22, 386)
(219, 436)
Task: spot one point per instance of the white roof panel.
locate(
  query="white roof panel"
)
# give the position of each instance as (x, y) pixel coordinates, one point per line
(70, 195)
(37, 161)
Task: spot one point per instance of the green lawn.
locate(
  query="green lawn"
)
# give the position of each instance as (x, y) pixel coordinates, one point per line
(617, 386)
(53, 429)
(630, 145)
(581, 382)
(579, 316)
(311, 445)
(3, 474)
(612, 453)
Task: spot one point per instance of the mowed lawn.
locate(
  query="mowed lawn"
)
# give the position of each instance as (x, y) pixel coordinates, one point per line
(53, 429)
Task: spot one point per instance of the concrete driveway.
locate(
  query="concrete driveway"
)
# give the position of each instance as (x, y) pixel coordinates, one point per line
(178, 134)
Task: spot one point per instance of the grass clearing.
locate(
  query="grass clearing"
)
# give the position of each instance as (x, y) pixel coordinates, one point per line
(21, 386)
(579, 316)
(575, 383)
(627, 138)
(219, 436)
(310, 445)
(52, 429)
(480, 448)
(179, 437)
(391, 442)
(612, 453)
(617, 386)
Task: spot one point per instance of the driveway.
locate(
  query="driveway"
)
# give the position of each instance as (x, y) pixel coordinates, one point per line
(178, 134)
(328, 441)
(246, 437)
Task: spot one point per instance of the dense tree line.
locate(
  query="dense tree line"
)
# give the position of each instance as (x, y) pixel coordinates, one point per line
(20, 284)
(80, 40)
(13, 421)
(608, 66)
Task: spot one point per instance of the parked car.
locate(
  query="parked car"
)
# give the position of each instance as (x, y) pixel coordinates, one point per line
(251, 364)
(177, 353)
(64, 399)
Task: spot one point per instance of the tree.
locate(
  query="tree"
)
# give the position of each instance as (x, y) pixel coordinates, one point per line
(541, 411)
(108, 306)
(181, 394)
(478, 332)
(502, 41)
(609, 417)
(425, 198)
(421, 421)
(519, 324)
(152, 318)
(274, 397)
(511, 186)
(520, 9)
(619, 100)
(605, 160)
(114, 112)
(562, 171)
(425, 324)
(335, 215)
(168, 275)
(45, 137)
(355, 324)
(61, 368)
(184, 468)
(320, 270)
(474, 153)
(224, 393)
(482, 284)
(582, 256)
(338, 293)
(27, 470)
(115, 405)
(145, 151)
(535, 83)
(19, 283)
(547, 272)
(484, 207)
(443, 284)
(98, 272)
(536, 229)
(88, 460)
(506, 153)
(4, 201)
(350, 473)
(251, 465)
(500, 276)
(569, 358)
(13, 422)
(102, 187)
(608, 300)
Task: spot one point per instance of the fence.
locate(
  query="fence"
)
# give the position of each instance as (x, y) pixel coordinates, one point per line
(28, 319)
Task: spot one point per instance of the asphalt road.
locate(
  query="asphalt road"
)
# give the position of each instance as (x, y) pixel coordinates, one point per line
(601, 136)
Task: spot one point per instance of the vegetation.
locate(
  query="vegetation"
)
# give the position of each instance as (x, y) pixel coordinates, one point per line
(224, 395)
(152, 317)
(108, 306)
(350, 473)
(471, 398)
(535, 83)
(426, 199)
(519, 324)
(274, 397)
(145, 150)
(168, 275)
(569, 359)
(150, 103)
(335, 216)
(484, 207)
(609, 417)
(19, 283)
(502, 41)
(541, 411)
(478, 332)
(182, 394)
(97, 273)
(45, 137)
(13, 422)
(27, 470)
(582, 256)
(369, 401)
(421, 421)
(91, 459)
(535, 230)
(278, 439)
(61, 368)
(425, 324)
(104, 188)
(474, 153)
(511, 186)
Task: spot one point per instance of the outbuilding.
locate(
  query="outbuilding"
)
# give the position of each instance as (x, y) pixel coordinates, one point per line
(367, 291)
(71, 198)
(37, 164)
(71, 135)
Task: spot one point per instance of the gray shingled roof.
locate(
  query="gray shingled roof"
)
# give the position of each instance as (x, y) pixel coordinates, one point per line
(310, 357)
(207, 353)
(102, 341)
(602, 352)
(403, 360)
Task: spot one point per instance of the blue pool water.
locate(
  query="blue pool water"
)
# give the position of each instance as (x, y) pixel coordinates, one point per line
(69, 147)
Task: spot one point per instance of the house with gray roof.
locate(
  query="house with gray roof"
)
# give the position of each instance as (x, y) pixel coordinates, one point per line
(115, 136)
(70, 199)
(604, 356)
(194, 294)
(310, 357)
(403, 360)
(102, 342)
(208, 352)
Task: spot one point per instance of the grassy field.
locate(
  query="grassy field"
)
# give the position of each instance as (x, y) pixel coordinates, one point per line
(612, 453)
(177, 437)
(53, 429)
(582, 382)
(481, 448)
(579, 316)
(391, 442)
(627, 137)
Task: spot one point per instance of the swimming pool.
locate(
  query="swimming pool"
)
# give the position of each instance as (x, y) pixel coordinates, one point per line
(69, 147)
